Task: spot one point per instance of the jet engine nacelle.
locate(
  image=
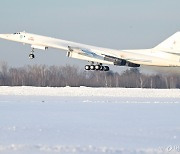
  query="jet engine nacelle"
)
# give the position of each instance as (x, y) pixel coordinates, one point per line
(97, 59)
(133, 64)
(116, 61)
(120, 62)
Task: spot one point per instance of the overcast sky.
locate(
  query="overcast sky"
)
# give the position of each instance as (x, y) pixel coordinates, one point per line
(118, 24)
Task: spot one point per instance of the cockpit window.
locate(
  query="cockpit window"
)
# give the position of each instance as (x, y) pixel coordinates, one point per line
(16, 33)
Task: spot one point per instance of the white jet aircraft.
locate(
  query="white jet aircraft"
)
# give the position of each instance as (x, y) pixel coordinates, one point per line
(166, 54)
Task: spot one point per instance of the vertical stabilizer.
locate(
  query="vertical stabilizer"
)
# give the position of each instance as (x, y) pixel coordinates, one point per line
(172, 43)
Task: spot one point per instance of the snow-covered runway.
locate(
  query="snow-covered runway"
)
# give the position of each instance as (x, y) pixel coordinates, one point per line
(89, 120)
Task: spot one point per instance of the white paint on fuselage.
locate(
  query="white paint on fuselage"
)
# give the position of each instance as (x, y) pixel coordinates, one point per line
(149, 57)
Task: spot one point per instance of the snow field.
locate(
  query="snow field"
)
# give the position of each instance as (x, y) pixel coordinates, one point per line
(86, 91)
(89, 121)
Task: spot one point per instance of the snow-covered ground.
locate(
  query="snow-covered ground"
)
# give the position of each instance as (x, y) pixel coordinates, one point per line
(86, 91)
(89, 121)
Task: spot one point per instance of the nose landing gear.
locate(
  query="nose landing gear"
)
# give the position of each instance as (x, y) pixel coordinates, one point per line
(31, 55)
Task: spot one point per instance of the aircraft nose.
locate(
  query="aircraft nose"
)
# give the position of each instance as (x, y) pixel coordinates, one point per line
(4, 36)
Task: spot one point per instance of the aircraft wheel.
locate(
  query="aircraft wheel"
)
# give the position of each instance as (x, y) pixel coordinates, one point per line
(101, 68)
(87, 67)
(92, 67)
(31, 56)
(106, 68)
(97, 67)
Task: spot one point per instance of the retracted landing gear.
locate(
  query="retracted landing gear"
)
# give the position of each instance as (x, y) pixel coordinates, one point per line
(31, 55)
(96, 68)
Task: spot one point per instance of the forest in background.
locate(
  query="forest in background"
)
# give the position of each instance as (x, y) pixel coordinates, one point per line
(61, 76)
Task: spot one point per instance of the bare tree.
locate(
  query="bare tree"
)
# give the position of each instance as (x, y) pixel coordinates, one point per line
(60, 76)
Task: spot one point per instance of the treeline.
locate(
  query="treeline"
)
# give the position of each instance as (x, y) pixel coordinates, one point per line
(61, 76)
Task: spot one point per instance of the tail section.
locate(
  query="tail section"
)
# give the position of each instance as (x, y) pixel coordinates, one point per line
(170, 44)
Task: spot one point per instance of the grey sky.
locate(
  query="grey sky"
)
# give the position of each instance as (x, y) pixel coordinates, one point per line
(119, 24)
